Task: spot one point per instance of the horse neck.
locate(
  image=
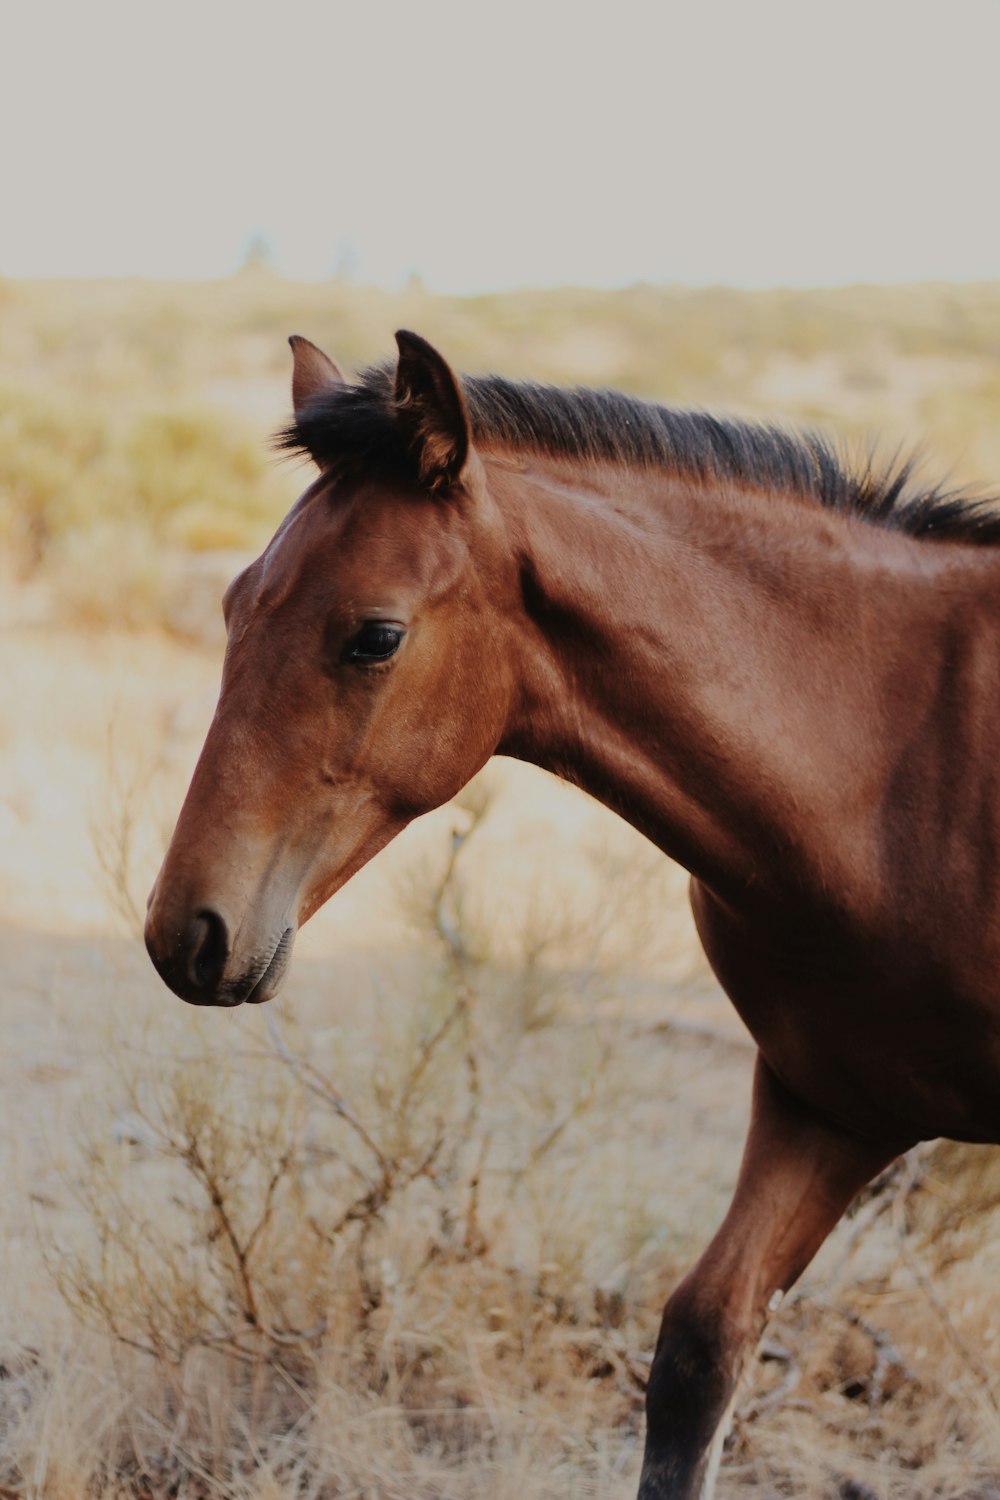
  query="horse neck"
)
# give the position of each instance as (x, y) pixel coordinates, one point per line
(727, 670)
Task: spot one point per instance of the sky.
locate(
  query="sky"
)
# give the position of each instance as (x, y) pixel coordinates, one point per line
(488, 146)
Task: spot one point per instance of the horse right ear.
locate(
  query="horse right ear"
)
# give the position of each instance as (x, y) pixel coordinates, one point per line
(312, 372)
(430, 410)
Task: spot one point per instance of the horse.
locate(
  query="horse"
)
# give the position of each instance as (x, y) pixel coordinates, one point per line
(781, 667)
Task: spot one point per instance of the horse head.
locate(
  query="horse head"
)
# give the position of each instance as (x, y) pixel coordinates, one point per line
(363, 681)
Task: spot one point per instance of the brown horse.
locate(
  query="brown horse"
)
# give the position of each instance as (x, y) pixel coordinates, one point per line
(785, 674)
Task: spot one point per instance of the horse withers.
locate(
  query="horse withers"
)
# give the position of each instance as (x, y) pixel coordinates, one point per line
(782, 671)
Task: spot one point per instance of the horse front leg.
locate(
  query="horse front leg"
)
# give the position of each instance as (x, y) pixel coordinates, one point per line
(797, 1177)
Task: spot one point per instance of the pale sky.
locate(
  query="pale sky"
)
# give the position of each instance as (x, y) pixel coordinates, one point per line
(490, 145)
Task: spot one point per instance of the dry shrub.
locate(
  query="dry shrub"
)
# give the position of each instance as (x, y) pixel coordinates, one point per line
(109, 573)
(49, 449)
(198, 479)
(422, 1256)
(355, 1260)
(93, 495)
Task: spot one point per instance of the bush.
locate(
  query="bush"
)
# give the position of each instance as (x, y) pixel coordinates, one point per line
(386, 1223)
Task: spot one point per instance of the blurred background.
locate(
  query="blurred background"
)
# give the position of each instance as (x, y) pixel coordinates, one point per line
(408, 1230)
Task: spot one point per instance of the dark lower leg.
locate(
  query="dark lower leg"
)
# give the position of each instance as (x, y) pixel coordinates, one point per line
(797, 1177)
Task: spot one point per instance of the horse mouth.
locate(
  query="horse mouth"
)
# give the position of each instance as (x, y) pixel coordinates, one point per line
(263, 980)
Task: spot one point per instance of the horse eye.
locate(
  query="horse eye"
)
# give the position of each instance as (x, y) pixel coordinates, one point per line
(374, 642)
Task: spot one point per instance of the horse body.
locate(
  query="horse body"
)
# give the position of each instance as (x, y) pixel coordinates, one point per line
(807, 771)
(700, 627)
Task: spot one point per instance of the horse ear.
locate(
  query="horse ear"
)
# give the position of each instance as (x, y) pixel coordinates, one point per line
(430, 408)
(312, 372)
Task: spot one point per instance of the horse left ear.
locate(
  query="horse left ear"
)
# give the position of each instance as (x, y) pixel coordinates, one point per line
(431, 410)
(312, 372)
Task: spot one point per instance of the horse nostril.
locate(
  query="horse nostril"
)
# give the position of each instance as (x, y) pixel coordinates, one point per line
(208, 949)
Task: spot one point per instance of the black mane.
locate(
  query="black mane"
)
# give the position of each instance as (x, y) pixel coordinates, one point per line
(353, 428)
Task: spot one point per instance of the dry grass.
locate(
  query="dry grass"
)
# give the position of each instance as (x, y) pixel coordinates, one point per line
(416, 1244)
(375, 1229)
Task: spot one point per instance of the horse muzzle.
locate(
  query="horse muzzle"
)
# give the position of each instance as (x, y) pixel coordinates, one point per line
(195, 958)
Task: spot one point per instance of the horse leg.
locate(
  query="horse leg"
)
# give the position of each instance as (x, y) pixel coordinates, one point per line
(797, 1177)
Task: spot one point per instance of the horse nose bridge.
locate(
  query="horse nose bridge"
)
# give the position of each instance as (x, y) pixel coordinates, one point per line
(226, 816)
(221, 876)
(231, 873)
(200, 887)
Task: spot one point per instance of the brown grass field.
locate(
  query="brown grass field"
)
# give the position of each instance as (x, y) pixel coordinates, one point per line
(407, 1232)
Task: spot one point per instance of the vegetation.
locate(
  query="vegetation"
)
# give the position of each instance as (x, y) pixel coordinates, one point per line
(422, 1253)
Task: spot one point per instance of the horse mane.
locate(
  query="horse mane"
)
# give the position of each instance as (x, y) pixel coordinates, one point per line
(352, 428)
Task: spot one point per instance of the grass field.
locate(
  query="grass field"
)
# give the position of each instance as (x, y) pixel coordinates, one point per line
(407, 1232)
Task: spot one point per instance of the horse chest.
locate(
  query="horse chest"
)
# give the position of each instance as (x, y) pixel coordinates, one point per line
(901, 1040)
